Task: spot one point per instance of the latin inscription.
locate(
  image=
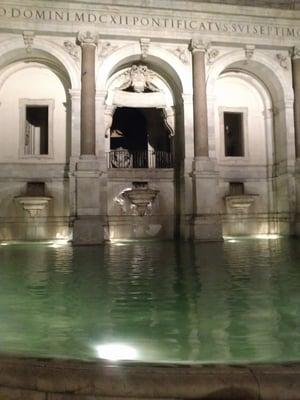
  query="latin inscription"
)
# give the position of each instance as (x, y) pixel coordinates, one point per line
(155, 22)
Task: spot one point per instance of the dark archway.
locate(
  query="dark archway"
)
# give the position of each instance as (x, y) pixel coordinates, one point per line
(142, 134)
(129, 129)
(137, 128)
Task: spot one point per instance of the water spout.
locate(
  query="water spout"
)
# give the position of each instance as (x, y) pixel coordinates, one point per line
(141, 196)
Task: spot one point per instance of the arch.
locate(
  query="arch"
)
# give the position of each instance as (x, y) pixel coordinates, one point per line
(44, 52)
(176, 75)
(274, 86)
(118, 79)
(277, 82)
(160, 97)
(13, 55)
(261, 66)
(254, 87)
(261, 89)
(161, 60)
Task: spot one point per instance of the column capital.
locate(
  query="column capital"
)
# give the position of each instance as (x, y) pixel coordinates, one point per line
(197, 45)
(87, 38)
(295, 53)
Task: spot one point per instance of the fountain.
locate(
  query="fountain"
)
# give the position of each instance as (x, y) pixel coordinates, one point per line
(141, 196)
(33, 204)
(34, 201)
(240, 203)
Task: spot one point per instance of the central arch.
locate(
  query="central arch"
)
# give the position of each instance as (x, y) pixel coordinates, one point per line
(160, 110)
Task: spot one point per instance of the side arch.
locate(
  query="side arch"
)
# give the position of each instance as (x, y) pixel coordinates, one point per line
(277, 81)
(274, 84)
(45, 52)
(261, 65)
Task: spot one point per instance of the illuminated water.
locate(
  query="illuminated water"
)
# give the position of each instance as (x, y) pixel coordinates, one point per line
(235, 301)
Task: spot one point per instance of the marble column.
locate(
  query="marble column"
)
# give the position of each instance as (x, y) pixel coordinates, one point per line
(199, 99)
(88, 44)
(296, 85)
(89, 222)
(206, 223)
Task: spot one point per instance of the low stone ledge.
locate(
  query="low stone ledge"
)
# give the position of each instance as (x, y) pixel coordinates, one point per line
(55, 396)
(51, 379)
(20, 394)
(278, 382)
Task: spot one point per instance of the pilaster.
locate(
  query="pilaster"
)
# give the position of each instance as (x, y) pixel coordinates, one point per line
(89, 223)
(75, 122)
(206, 222)
(296, 85)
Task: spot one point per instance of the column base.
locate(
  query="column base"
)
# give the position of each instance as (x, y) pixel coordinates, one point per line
(88, 231)
(206, 223)
(206, 228)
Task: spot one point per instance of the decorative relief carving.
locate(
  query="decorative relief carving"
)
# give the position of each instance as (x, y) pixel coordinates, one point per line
(28, 37)
(212, 54)
(139, 77)
(72, 49)
(199, 45)
(87, 38)
(283, 60)
(145, 44)
(295, 53)
(169, 120)
(249, 51)
(105, 49)
(108, 119)
(182, 53)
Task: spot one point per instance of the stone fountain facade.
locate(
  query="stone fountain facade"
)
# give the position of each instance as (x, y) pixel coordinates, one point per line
(183, 70)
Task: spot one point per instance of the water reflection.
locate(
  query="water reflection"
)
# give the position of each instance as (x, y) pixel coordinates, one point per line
(214, 302)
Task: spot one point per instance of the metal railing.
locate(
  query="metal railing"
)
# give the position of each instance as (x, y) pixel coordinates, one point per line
(139, 159)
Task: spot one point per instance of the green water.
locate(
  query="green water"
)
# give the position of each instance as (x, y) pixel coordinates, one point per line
(172, 302)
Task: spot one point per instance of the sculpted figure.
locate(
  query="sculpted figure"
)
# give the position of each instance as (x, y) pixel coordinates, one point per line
(139, 77)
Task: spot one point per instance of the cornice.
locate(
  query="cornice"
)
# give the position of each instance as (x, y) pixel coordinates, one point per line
(175, 5)
(153, 20)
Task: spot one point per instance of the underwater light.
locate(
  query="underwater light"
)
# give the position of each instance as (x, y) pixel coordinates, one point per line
(61, 241)
(231, 239)
(58, 243)
(269, 236)
(4, 244)
(116, 352)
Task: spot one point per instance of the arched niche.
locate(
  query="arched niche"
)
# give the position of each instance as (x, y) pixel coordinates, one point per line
(277, 83)
(35, 97)
(175, 74)
(44, 52)
(250, 98)
(139, 113)
(15, 59)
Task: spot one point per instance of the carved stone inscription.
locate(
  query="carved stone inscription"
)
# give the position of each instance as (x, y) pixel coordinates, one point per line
(104, 18)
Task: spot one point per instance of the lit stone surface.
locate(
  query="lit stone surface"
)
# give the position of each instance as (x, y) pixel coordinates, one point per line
(71, 380)
(244, 67)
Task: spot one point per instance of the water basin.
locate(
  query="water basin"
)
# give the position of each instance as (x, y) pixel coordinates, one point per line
(231, 302)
